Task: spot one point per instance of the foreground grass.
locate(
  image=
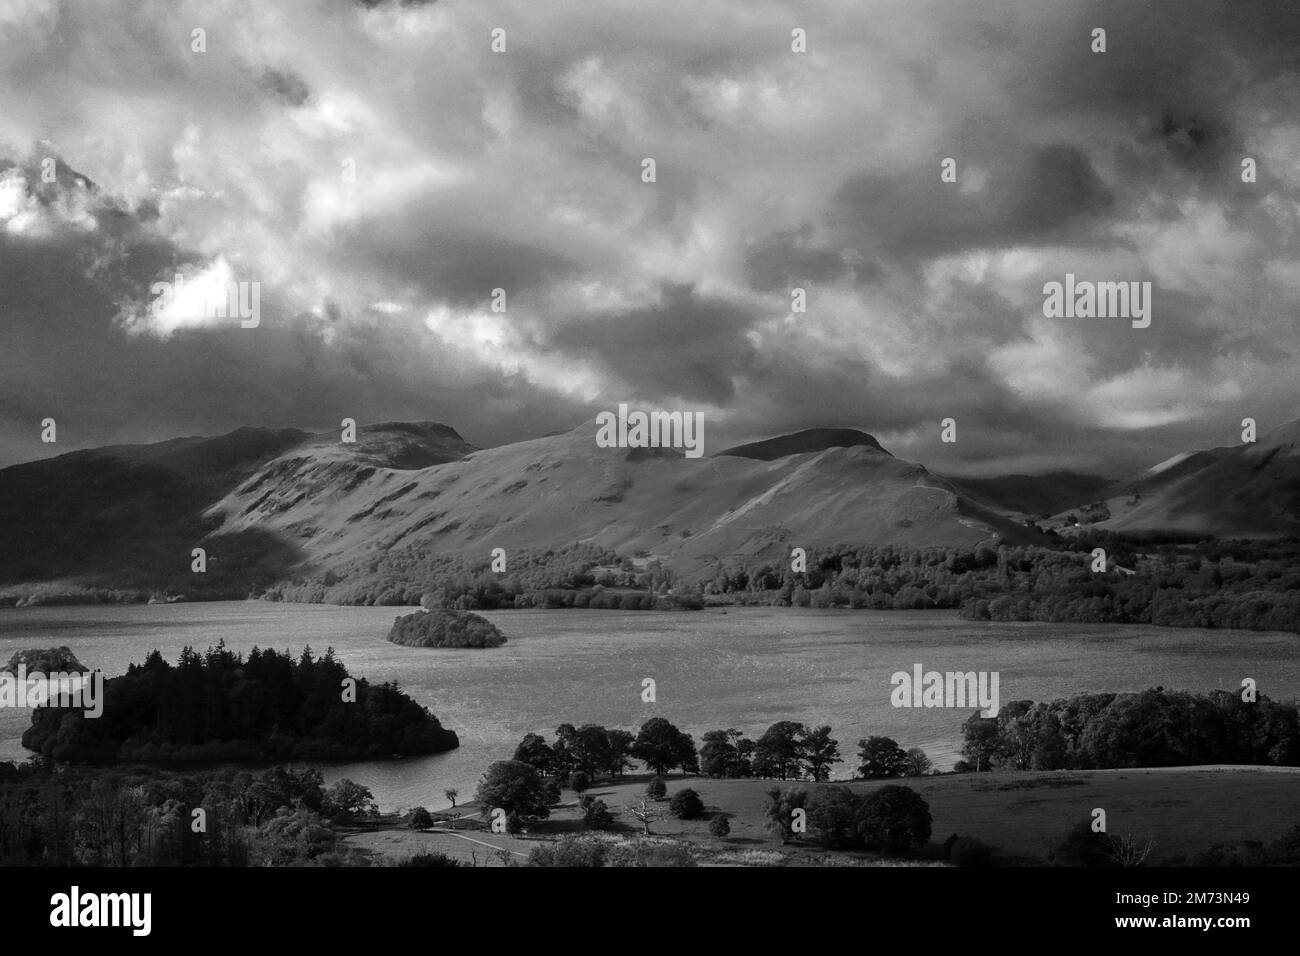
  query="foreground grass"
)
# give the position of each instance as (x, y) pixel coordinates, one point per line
(1183, 811)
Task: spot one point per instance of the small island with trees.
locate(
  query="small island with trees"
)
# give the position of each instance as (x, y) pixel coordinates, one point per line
(442, 627)
(221, 706)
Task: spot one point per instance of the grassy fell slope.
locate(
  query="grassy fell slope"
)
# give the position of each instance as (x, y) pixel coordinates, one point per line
(551, 491)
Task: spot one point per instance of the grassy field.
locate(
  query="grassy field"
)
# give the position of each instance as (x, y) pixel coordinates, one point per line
(1183, 811)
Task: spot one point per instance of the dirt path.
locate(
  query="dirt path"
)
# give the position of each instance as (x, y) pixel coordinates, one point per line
(490, 846)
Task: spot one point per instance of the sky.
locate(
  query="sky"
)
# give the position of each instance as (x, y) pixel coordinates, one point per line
(378, 170)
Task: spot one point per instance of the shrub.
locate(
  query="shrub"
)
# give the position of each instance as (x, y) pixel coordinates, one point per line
(598, 816)
(686, 804)
(833, 814)
(429, 859)
(968, 851)
(719, 826)
(780, 810)
(656, 789)
(1082, 847)
(551, 793)
(580, 781)
(421, 819)
(645, 853)
(569, 851)
(894, 819)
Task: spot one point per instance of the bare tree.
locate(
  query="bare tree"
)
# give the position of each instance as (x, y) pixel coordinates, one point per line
(645, 813)
(451, 795)
(1125, 850)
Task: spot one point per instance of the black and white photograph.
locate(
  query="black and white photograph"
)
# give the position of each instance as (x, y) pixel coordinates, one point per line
(859, 440)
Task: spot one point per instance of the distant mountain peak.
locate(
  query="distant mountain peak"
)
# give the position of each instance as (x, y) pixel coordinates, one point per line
(422, 428)
(810, 440)
(399, 445)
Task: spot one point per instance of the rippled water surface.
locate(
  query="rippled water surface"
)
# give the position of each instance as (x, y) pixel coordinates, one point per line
(744, 668)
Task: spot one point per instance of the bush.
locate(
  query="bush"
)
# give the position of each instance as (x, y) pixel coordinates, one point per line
(569, 851)
(598, 816)
(293, 837)
(894, 819)
(1082, 847)
(429, 859)
(780, 810)
(580, 781)
(719, 827)
(421, 819)
(656, 789)
(551, 793)
(968, 851)
(686, 805)
(644, 853)
(833, 814)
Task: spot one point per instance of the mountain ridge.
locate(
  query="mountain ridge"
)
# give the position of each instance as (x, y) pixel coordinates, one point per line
(270, 505)
(805, 441)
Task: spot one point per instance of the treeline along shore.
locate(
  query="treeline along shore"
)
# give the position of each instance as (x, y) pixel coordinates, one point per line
(1162, 579)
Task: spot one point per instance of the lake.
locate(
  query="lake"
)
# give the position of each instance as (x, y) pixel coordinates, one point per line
(742, 668)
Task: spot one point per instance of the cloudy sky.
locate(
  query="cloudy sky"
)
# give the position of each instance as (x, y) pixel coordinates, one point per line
(521, 170)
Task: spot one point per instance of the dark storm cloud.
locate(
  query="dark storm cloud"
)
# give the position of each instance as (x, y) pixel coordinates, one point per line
(460, 263)
(688, 347)
(521, 170)
(786, 259)
(64, 360)
(1045, 195)
(287, 86)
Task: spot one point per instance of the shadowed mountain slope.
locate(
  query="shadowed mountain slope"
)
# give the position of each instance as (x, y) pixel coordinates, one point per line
(128, 516)
(276, 505)
(1032, 494)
